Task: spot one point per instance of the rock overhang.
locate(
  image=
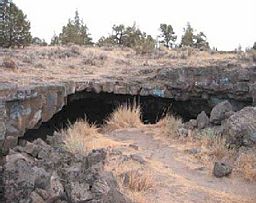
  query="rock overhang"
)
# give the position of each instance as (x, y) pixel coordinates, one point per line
(24, 107)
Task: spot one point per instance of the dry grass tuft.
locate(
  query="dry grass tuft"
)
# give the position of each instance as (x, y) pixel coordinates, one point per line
(246, 166)
(169, 126)
(82, 137)
(133, 179)
(76, 136)
(138, 181)
(216, 145)
(125, 116)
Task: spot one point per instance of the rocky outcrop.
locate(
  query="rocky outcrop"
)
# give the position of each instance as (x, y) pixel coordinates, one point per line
(240, 128)
(200, 88)
(40, 173)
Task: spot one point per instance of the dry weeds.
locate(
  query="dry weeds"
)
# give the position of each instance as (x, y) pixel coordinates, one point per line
(138, 181)
(61, 63)
(169, 126)
(245, 165)
(210, 148)
(82, 137)
(125, 116)
(75, 137)
(133, 179)
(213, 148)
(215, 145)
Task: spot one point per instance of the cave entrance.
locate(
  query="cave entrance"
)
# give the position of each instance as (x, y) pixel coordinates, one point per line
(96, 107)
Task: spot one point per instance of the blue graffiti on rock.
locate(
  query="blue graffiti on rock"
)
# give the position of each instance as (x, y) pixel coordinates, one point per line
(158, 93)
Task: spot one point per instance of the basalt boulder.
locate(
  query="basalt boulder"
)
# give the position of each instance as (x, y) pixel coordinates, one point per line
(202, 120)
(240, 128)
(218, 113)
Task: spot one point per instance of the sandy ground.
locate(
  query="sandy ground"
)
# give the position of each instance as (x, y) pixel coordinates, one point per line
(178, 176)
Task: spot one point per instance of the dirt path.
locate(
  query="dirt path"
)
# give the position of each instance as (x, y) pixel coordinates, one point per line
(180, 178)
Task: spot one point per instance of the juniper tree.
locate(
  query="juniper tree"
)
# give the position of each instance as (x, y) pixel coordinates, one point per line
(118, 33)
(75, 32)
(194, 40)
(106, 41)
(15, 27)
(200, 41)
(55, 40)
(188, 38)
(167, 35)
(254, 46)
(3, 14)
(38, 41)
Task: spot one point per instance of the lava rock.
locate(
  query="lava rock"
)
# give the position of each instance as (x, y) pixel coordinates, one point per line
(202, 120)
(56, 175)
(19, 177)
(193, 151)
(137, 158)
(79, 192)
(218, 112)
(191, 124)
(36, 198)
(183, 132)
(221, 169)
(42, 178)
(31, 149)
(136, 147)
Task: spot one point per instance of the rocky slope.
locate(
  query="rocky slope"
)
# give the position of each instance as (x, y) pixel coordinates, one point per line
(37, 173)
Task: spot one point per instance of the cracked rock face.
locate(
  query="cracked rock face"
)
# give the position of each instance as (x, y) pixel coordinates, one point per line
(38, 172)
(199, 88)
(240, 128)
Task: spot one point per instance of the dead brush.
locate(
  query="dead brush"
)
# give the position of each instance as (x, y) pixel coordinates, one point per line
(75, 138)
(125, 116)
(216, 146)
(169, 126)
(9, 63)
(93, 58)
(138, 181)
(246, 165)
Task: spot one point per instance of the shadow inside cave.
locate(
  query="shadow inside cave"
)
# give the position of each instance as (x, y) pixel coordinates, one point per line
(96, 107)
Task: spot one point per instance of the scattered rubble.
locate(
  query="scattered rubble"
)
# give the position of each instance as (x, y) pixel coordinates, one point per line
(238, 128)
(40, 173)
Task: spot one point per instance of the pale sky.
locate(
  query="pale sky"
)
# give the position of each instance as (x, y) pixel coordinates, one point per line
(226, 23)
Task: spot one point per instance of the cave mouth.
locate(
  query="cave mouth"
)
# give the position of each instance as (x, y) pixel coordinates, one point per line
(96, 107)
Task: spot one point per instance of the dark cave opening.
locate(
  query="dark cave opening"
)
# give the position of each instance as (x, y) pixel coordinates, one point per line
(96, 107)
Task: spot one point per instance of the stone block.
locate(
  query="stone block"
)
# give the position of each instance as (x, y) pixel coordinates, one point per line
(9, 143)
(108, 87)
(118, 89)
(241, 87)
